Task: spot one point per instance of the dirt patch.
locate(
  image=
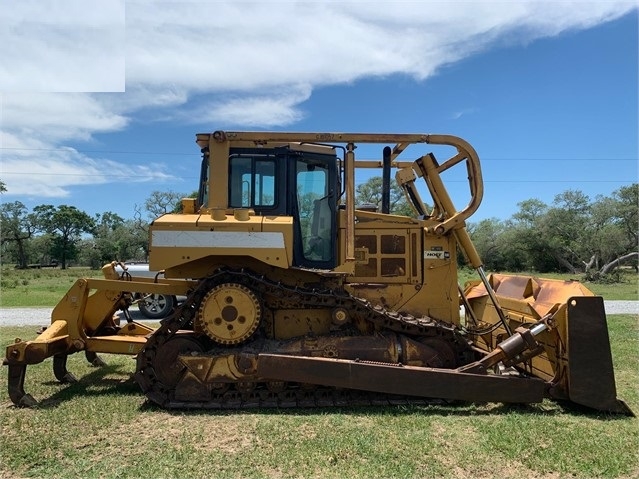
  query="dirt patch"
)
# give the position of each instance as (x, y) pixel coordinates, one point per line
(9, 475)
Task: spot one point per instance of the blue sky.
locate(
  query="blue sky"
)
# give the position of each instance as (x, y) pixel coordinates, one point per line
(546, 92)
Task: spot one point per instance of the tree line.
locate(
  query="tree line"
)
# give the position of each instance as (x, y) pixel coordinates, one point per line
(573, 234)
(50, 235)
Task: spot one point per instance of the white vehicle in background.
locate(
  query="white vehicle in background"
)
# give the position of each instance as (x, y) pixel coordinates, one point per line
(152, 305)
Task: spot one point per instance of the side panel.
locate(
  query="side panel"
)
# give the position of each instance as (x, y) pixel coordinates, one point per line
(439, 296)
(387, 266)
(176, 240)
(402, 268)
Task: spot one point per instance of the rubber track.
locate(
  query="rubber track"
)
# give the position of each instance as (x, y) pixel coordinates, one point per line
(294, 396)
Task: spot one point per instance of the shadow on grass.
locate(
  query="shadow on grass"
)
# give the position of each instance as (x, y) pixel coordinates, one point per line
(104, 381)
(437, 408)
(99, 384)
(94, 384)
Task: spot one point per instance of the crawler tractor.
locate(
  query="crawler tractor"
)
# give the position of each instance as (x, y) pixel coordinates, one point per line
(295, 296)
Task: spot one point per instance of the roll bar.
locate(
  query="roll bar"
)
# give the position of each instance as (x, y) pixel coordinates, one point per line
(426, 167)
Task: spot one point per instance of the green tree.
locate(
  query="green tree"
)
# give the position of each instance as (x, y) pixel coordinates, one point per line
(103, 247)
(530, 212)
(626, 201)
(614, 239)
(162, 202)
(567, 228)
(370, 192)
(124, 242)
(525, 248)
(488, 235)
(16, 227)
(40, 248)
(3, 187)
(133, 242)
(574, 234)
(65, 224)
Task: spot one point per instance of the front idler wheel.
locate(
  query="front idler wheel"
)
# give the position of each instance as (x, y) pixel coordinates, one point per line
(168, 369)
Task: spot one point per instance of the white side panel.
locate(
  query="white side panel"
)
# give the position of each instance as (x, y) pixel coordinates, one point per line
(217, 239)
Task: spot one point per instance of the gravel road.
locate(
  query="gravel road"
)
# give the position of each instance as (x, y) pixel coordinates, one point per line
(40, 316)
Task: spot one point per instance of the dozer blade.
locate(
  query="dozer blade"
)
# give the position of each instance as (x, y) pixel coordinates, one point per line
(591, 379)
(399, 379)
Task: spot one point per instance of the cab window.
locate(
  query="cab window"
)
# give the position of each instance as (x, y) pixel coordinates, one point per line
(315, 215)
(252, 182)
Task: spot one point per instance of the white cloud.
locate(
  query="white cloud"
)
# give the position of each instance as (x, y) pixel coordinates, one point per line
(32, 167)
(236, 63)
(243, 46)
(276, 109)
(58, 117)
(456, 115)
(242, 50)
(62, 46)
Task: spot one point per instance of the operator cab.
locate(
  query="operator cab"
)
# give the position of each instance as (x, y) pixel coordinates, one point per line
(300, 181)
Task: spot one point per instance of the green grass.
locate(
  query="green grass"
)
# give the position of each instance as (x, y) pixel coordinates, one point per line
(626, 290)
(103, 427)
(38, 287)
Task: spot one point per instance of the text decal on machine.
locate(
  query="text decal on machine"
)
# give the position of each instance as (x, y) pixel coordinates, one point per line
(436, 252)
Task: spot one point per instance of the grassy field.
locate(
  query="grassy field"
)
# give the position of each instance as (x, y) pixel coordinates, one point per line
(103, 427)
(38, 287)
(45, 287)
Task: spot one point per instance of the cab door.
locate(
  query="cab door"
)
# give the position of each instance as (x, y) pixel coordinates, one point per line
(313, 195)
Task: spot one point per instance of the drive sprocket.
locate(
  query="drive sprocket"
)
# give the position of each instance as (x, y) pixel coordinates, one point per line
(229, 314)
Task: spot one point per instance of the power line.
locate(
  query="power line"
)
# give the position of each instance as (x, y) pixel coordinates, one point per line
(559, 159)
(103, 175)
(164, 153)
(93, 175)
(105, 151)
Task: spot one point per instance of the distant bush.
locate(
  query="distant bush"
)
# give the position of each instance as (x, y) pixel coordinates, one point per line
(614, 277)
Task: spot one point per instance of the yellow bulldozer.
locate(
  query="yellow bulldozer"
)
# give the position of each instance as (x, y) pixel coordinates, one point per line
(295, 296)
